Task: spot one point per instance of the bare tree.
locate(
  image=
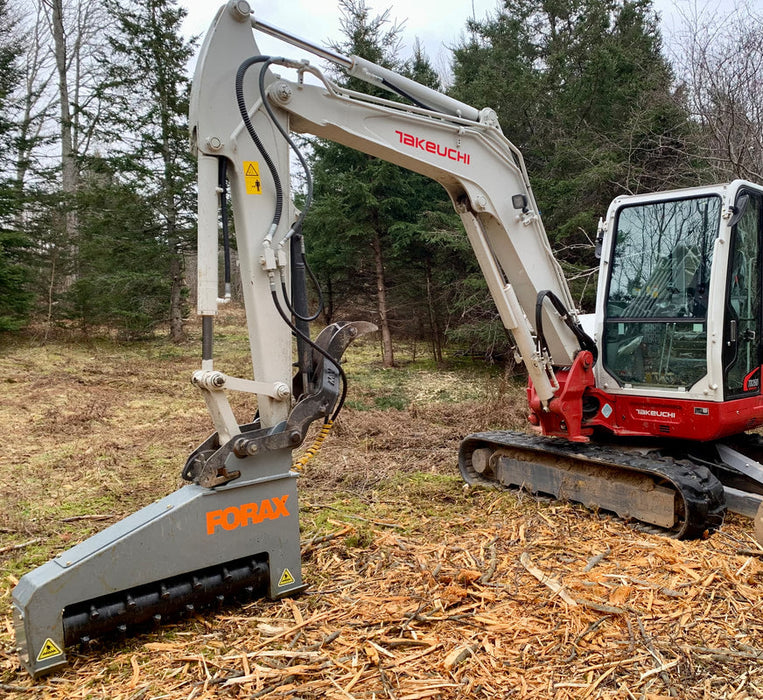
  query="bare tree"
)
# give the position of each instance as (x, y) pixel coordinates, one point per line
(720, 60)
(34, 101)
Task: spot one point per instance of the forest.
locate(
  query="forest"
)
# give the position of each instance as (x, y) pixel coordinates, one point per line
(97, 199)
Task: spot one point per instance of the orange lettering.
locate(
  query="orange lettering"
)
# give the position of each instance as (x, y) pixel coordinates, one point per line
(247, 514)
(266, 510)
(280, 504)
(226, 525)
(213, 518)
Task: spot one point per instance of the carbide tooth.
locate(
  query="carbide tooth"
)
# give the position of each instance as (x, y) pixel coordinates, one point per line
(227, 576)
(84, 640)
(157, 619)
(94, 613)
(122, 629)
(196, 583)
(163, 592)
(189, 607)
(249, 590)
(220, 599)
(130, 602)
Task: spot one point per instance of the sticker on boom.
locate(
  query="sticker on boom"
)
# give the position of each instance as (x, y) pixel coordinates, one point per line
(433, 147)
(252, 181)
(247, 514)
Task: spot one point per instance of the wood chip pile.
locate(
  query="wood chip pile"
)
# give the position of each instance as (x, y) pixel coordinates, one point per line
(478, 594)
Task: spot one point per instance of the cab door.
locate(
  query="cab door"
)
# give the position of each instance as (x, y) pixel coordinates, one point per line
(742, 325)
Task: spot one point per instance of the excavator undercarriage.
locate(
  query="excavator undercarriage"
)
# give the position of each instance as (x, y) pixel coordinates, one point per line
(677, 489)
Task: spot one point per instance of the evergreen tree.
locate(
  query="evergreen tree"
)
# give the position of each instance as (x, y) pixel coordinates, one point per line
(582, 88)
(123, 278)
(358, 197)
(149, 94)
(377, 230)
(15, 298)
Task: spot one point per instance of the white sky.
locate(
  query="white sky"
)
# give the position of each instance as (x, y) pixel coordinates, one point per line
(437, 23)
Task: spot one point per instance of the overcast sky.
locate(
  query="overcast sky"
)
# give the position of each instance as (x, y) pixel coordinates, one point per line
(437, 23)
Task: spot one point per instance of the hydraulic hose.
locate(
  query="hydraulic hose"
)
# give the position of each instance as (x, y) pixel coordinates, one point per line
(240, 73)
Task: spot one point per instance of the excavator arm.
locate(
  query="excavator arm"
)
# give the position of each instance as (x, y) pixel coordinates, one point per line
(455, 144)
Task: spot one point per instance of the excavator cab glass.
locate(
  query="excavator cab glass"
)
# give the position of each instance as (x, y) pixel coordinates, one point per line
(741, 347)
(655, 330)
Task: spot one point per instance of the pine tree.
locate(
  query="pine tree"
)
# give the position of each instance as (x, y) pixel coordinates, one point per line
(582, 88)
(149, 106)
(15, 298)
(376, 230)
(123, 278)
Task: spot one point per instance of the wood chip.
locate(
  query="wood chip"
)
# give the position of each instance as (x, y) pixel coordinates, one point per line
(546, 580)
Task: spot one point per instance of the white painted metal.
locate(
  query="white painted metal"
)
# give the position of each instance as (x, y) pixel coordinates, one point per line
(216, 130)
(458, 146)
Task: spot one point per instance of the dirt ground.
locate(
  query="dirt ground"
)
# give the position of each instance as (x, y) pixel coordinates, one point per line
(419, 586)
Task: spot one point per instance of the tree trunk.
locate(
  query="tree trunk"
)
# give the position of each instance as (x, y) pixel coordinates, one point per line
(69, 172)
(433, 324)
(328, 302)
(388, 358)
(177, 329)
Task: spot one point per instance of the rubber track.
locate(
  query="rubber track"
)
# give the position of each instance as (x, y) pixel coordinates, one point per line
(701, 492)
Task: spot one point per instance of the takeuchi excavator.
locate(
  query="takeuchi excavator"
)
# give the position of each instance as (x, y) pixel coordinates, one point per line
(644, 408)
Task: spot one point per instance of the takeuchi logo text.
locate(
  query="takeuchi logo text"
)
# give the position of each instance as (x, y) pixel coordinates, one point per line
(654, 413)
(433, 147)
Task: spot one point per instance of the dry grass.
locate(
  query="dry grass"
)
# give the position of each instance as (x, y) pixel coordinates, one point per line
(419, 588)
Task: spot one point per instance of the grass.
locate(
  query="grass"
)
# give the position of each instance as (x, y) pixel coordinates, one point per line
(103, 428)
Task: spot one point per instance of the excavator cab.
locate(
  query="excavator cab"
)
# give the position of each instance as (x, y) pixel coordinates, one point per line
(679, 312)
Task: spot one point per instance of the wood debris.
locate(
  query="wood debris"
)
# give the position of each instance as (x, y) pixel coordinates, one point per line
(411, 613)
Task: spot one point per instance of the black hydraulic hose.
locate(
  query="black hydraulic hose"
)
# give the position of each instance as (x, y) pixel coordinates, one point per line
(297, 227)
(294, 312)
(303, 162)
(319, 349)
(242, 69)
(404, 94)
(267, 61)
(585, 340)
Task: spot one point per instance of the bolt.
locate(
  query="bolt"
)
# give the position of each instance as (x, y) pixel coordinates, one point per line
(480, 202)
(283, 92)
(295, 438)
(243, 447)
(214, 143)
(282, 391)
(241, 10)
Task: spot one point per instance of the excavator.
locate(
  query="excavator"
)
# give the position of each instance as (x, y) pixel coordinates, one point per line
(643, 408)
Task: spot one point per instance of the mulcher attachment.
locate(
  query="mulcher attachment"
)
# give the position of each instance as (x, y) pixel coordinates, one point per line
(234, 531)
(196, 547)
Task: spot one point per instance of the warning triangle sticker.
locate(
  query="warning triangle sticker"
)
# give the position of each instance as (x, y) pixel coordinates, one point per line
(251, 171)
(49, 650)
(286, 578)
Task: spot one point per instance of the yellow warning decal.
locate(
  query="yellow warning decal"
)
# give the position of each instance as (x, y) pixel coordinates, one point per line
(49, 650)
(286, 578)
(252, 177)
